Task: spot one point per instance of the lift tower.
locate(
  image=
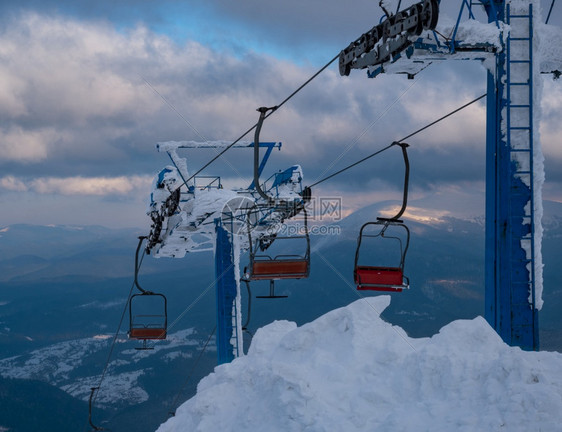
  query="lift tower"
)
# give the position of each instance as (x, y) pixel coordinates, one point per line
(513, 256)
(193, 214)
(506, 45)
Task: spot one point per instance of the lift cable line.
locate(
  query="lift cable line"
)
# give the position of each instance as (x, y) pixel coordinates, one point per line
(255, 125)
(95, 390)
(358, 137)
(180, 115)
(171, 411)
(398, 141)
(173, 108)
(550, 11)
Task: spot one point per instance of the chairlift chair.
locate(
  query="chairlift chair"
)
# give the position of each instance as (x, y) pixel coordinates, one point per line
(148, 326)
(386, 278)
(265, 266)
(142, 325)
(382, 278)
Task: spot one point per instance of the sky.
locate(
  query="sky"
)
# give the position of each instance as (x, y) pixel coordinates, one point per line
(87, 89)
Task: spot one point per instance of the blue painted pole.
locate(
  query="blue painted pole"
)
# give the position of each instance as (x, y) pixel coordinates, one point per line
(227, 290)
(509, 213)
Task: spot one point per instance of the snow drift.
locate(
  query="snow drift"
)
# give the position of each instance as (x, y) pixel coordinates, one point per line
(351, 371)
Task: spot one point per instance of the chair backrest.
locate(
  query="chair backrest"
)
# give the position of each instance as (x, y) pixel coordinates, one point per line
(280, 269)
(147, 333)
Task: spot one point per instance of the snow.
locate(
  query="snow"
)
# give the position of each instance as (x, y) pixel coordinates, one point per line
(60, 365)
(473, 33)
(520, 117)
(236, 340)
(550, 49)
(122, 388)
(351, 371)
(174, 145)
(191, 228)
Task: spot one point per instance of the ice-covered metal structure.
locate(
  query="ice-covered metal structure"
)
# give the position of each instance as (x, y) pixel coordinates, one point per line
(196, 214)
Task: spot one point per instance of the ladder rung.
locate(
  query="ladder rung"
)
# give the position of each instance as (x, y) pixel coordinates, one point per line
(519, 84)
(519, 16)
(519, 150)
(521, 261)
(520, 128)
(519, 217)
(519, 39)
(519, 106)
(520, 61)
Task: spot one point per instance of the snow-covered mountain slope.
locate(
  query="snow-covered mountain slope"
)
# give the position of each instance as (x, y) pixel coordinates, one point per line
(65, 364)
(351, 371)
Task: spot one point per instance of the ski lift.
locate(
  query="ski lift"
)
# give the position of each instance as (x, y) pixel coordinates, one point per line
(266, 266)
(386, 277)
(144, 323)
(272, 267)
(383, 278)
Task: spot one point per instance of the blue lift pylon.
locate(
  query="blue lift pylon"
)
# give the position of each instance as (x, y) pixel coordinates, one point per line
(513, 257)
(229, 329)
(510, 302)
(513, 191)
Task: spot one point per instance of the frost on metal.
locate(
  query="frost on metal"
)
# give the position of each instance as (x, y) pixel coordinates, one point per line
(184, 211)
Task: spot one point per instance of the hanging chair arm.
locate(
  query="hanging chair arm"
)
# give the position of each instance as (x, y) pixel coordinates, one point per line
(405, 251)
(263, 114)
(90, 405)
(141, 239)
(306, 234)
(403, 146)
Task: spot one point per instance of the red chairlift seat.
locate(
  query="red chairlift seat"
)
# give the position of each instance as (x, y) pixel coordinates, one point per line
(379, 278)
(147, 333)
(280, 268)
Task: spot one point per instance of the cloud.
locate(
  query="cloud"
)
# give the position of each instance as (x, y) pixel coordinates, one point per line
(97, 186)
(84, 103)
(17, 144)
(11, 183)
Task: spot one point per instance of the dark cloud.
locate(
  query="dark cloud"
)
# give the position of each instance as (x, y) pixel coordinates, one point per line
(87, 89)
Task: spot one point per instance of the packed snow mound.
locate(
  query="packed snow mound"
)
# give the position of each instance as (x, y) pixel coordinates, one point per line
(351, 371)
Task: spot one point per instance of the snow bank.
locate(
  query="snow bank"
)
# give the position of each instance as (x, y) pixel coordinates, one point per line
(351, 371)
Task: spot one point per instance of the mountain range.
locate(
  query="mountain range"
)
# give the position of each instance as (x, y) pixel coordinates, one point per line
(64, 289)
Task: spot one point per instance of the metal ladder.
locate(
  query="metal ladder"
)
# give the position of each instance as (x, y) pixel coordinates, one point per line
(519, 138)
